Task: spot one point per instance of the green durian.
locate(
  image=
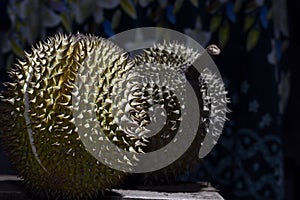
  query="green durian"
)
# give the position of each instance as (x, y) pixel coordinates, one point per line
(38, 126)
(181, 57)
(37, 123)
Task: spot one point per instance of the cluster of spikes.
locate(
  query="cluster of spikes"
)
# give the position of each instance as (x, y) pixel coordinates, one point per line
(73, 83)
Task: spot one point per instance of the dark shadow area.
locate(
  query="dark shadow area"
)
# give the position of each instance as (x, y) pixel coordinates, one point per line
(15, 190)
(291, 132)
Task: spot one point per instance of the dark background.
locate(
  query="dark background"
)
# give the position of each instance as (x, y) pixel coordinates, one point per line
(290, 135)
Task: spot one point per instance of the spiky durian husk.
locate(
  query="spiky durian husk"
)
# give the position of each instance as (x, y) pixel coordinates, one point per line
(39, 134)
(180, 57)
(39, 128)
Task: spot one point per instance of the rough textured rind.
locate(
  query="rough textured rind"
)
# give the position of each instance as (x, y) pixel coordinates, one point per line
(39, 133)
(38, 122)
(180, 57)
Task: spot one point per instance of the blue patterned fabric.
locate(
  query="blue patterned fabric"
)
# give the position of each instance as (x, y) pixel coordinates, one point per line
(248, 161)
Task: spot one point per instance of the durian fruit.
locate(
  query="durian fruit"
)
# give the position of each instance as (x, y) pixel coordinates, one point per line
(37, 123)
(211, 97)
(81, 82)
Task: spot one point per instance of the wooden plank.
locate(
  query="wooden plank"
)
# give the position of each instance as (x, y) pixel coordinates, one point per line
(142, 194)
(12, 188)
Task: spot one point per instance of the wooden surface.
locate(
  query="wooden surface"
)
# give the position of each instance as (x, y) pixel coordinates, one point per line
(11, 188)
